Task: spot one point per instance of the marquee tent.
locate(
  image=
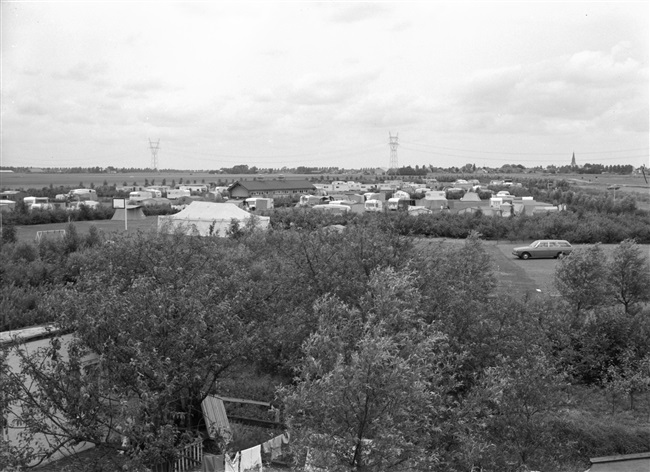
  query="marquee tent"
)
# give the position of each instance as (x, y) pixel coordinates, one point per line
(131, 212)
(206, 218)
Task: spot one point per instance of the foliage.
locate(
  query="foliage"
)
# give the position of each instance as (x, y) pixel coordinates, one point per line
(519, 397)
(8, 233)
(367, 399)
(582, 278)
(629, 274)
(57, 215)
(434, 364)
(161, 340)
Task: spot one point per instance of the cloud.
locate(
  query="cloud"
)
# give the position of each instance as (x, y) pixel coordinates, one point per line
(83, 72)
(562, 93)
(358, 11)
(30, 107)
(145, 85)
(333, 90)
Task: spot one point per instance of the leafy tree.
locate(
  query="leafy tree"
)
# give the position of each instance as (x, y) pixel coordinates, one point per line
(629, 379)
(8, 233)
(371, 386)
(516, 399)
(582, 278)
(163, 330)
(629, 274)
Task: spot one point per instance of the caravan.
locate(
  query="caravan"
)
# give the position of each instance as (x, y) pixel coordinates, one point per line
(137, 197)
(258, 203)
(373, 205)
(38, 203)
(83, 194)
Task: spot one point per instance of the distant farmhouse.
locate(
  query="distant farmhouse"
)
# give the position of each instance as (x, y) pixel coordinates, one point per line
(277, 189)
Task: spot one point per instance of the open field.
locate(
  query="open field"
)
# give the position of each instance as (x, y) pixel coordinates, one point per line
(28, 233)
(532, 277)
(18, 180)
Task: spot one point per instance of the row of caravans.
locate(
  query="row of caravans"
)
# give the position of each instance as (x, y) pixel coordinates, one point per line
(372, 202)
(393, 204)
(69, 201)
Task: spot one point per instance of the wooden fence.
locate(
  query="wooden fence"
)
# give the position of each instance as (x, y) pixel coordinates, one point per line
(189, 459)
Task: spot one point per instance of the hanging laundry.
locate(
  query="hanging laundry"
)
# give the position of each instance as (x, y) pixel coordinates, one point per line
(232, 465)
(276, 447)
(213, 463)
(266, 447)
(251, 459)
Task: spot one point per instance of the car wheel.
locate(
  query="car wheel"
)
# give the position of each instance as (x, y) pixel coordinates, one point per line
(560, 255)
(525, 256)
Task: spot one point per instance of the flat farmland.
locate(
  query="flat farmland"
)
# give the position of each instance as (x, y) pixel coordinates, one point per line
(26, 180)
(17, 180)
(514, 275)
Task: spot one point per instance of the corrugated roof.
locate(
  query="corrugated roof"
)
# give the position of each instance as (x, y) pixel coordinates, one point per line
(274, 185)
(214, 414)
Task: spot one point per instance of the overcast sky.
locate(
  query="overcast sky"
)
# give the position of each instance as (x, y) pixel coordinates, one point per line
(275, 84)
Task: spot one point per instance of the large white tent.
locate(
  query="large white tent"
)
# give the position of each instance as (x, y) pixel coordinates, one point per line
(131, 212)
(208, 218)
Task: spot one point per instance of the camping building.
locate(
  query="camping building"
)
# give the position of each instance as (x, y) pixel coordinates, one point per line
(209, 219)
(277, 189)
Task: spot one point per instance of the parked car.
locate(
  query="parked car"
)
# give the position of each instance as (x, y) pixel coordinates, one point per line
(544, 248)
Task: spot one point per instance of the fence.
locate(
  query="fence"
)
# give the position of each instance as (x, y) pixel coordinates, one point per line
(190, 458)
(59, 233)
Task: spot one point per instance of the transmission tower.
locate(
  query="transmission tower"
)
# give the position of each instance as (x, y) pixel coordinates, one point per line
(154, 153)
(393, 151)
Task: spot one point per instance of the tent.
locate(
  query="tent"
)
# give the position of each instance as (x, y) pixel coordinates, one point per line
(133, 212)
(471, 197)
(208, 218)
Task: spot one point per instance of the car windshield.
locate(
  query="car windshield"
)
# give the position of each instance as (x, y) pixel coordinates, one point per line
(534, 243)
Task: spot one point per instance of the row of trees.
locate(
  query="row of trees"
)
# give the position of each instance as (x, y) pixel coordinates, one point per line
(392, 355)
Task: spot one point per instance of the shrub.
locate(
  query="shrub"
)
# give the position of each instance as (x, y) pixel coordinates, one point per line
(8, 233)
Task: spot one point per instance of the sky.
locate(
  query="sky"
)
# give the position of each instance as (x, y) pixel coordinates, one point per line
(323, 84)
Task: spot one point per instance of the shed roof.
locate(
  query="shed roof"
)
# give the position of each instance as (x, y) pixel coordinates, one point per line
(214, 414)
(621, 463)
(272, 185)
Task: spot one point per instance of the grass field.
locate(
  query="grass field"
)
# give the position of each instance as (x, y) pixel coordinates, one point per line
(107, 227)
(18, 180)
(532, 277)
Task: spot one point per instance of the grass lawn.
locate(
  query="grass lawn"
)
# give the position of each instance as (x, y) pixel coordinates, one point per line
(28, 233)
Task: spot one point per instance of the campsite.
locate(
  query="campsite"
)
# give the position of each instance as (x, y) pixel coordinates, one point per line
(259, 300)
(514, 274)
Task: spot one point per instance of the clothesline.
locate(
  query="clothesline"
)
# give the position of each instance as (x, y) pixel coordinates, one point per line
(248, 460)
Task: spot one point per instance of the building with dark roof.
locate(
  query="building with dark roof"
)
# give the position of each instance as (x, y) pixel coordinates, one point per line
(276, 189)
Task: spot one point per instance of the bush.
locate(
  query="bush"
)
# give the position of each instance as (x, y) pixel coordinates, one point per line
(586, 435)
(8, 233)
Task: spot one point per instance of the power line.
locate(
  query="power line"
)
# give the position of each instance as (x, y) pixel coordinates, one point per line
(524, 153)
(315, 155)
(154, 153)
(393, 143)
(486, 158)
